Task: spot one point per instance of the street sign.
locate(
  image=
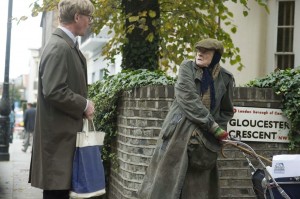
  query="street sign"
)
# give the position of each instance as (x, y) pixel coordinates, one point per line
(259, 125)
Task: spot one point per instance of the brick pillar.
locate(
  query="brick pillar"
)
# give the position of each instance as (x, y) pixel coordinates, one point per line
(141, 114)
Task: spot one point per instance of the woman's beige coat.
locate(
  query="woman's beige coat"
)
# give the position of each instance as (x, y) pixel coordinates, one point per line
(62, 93)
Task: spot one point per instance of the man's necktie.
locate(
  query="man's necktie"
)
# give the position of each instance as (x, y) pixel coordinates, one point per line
(76, 45)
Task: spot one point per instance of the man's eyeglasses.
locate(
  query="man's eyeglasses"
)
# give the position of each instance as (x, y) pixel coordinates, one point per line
(91, 18)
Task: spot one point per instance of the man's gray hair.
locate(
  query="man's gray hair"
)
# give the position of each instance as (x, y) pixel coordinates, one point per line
(68, 8)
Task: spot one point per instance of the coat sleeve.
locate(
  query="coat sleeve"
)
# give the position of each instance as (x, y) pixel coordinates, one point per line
(189, 99)
(54, 73)
(226, 106)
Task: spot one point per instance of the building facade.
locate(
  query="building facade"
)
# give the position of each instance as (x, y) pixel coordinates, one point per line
(91, 46)
(33, 76)
(267, 41)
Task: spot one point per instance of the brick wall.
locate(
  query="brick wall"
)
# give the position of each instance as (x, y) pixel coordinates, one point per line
(141, 114)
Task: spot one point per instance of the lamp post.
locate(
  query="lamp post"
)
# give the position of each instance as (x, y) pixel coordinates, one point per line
(5, 102)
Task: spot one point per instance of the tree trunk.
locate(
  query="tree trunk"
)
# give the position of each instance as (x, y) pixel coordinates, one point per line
(141, 51)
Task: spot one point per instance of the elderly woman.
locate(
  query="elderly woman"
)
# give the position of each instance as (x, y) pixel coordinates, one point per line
(184, 162)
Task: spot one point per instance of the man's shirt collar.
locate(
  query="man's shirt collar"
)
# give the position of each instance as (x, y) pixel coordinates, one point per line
(69, 33)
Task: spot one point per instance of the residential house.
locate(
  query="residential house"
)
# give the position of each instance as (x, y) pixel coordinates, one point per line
(33, 75)
(267, 41)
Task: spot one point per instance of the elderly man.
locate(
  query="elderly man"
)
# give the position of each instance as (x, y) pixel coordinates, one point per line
(62, 101)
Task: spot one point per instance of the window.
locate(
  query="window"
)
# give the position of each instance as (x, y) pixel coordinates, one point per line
(35, 85)
(101, 74)
(93, 77)
(285, 35)
(36, 69)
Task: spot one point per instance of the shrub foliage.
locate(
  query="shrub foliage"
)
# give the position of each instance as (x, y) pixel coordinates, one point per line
(287, 84)
(105, 94)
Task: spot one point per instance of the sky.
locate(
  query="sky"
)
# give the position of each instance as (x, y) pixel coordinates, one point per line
(24, 36)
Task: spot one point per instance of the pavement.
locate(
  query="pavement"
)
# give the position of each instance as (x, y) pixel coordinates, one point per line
(14, 174)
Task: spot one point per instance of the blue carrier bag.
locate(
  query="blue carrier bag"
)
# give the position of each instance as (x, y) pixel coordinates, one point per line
(88, 178)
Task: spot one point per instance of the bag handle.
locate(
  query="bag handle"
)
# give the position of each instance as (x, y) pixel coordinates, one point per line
(86, 125)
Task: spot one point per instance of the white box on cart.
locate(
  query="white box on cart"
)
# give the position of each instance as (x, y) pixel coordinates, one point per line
(285, 166)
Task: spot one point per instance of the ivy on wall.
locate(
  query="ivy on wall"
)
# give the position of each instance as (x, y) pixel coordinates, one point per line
(287, 84)
(105, 94)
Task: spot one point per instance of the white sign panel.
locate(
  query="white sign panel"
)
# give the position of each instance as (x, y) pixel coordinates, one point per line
(259, 125)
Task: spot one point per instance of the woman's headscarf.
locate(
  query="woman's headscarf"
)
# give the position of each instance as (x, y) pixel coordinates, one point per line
(207, 80)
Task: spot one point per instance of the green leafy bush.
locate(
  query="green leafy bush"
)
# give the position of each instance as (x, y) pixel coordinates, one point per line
(287, 84)
(105, 94)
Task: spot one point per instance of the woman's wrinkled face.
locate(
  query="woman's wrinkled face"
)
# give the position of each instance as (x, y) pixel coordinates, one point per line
(204, 57)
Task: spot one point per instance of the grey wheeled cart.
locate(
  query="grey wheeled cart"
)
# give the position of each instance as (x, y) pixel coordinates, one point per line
(265, 185)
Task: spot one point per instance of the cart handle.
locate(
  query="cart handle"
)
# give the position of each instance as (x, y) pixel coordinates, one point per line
(234, 144)
(258, 157)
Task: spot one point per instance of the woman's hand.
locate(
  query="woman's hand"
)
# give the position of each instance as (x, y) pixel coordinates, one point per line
(221, 134)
